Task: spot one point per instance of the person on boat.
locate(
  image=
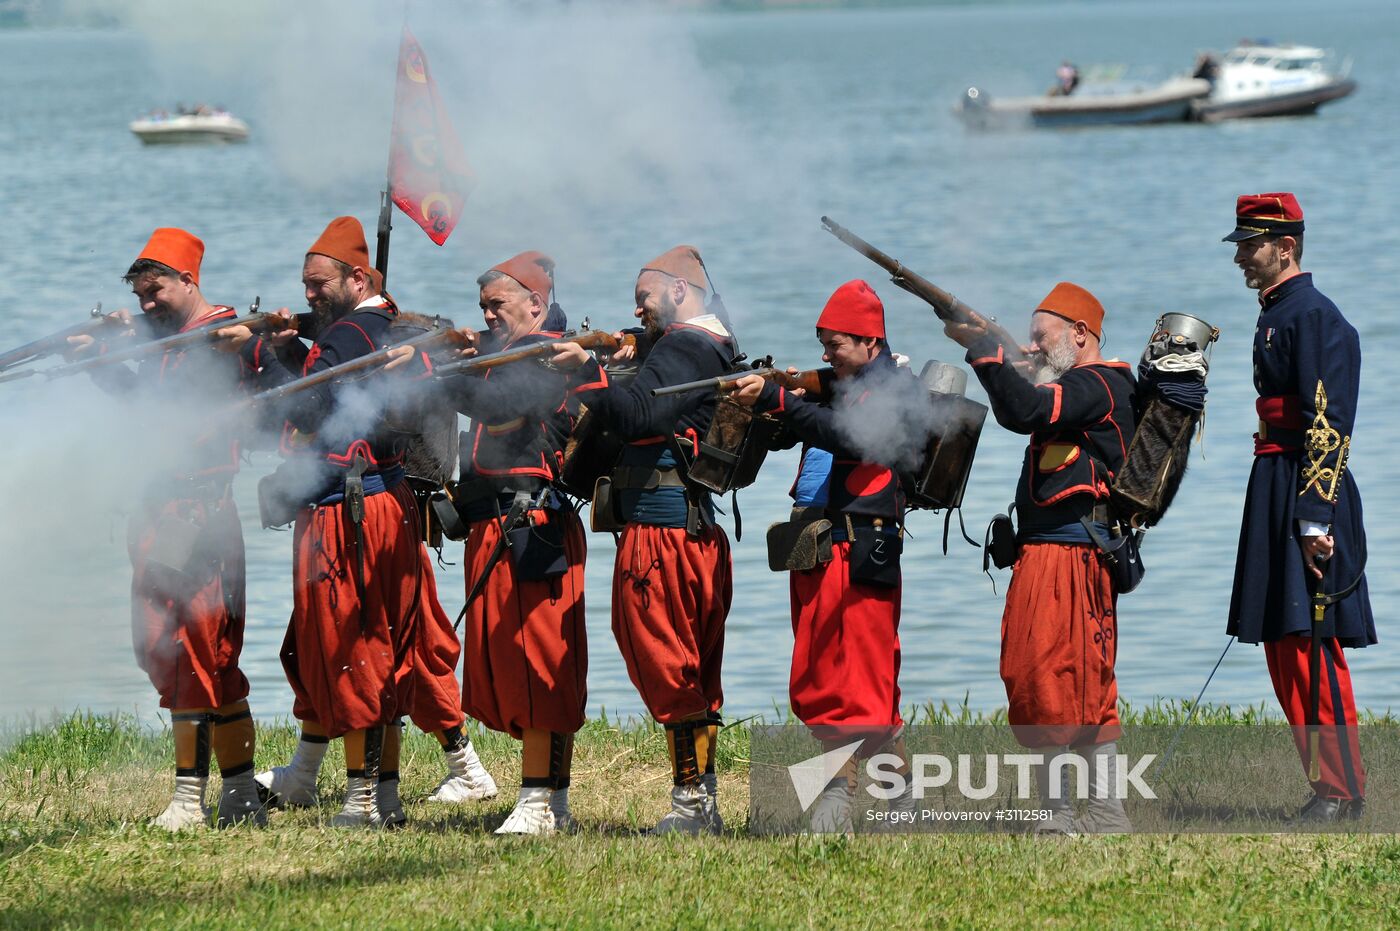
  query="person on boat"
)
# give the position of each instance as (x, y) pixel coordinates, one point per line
(187, 619)
(1302, 538)
(1067, 78)
(1059, 632)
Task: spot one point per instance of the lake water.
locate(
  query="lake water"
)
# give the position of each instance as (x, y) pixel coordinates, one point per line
(736, 132)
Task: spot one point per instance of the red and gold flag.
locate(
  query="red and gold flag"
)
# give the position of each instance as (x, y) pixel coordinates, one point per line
(428, 171)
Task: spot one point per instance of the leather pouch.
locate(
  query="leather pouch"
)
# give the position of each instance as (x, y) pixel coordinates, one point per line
(446, 516)
(604, 515)
(1001, 550)
(537, 550)
(874, 556)
(797, 546)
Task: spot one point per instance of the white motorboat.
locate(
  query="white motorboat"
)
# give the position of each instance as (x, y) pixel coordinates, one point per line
(212, 127)
(1263, 79)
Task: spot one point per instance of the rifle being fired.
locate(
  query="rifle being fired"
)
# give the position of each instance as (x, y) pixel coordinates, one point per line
(179, 342)
(588, 339)
(54, 343)
(948, 308)
(439, 335)
(816, 383)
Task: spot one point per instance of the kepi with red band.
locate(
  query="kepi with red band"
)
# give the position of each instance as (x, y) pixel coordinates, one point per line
(175, 248)
(1075, 304)
(1274, 214)
(854, 308)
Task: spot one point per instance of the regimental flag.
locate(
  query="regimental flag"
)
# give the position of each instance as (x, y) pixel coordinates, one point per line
(428, 170)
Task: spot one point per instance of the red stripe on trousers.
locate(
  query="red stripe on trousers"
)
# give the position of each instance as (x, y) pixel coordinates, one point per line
(671, 595)
(1338, 746)
(526, 644)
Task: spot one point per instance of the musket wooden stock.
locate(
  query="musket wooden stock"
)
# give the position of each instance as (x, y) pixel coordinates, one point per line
(359, 364)
(592, 339)
(948, 308)
(815, 382)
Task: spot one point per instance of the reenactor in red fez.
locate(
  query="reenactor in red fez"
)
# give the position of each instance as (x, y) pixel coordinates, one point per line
(188, 610)
(526, 644)
(672, 582)
(1302, 544)
(1059, 631)
(360, 583)
(845, 609)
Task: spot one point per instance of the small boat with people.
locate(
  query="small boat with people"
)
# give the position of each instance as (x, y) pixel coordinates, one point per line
(200, 124)
(1261, 78)
(1101, 99)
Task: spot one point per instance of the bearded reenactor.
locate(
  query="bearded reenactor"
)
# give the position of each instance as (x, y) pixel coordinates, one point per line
(525, 640)
(672, 581)
(1302, 542)
(186, 544)
(1059, 632)
(845, 608)
(358, 569)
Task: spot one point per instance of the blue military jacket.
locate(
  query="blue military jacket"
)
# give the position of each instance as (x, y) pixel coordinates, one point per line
(1307, 370)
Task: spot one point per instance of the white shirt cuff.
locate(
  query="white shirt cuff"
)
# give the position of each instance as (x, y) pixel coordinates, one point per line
(1307, 528)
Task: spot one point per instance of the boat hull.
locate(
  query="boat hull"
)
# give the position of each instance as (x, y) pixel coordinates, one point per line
(1168, 103)
(1298, 103)
(187, 130)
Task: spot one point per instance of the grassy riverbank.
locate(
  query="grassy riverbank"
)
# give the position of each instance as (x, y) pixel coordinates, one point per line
(75, 851)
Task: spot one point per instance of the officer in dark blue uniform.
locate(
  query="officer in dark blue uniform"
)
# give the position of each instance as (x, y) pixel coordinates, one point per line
(1302, 541)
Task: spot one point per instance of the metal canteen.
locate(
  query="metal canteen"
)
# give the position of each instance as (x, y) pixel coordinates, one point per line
(1180, 329)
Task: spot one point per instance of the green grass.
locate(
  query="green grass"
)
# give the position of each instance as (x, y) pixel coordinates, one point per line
(75, 852)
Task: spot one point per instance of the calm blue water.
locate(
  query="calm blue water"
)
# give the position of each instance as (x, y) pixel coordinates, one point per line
(619, 143)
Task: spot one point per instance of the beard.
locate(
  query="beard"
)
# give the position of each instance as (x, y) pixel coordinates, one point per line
(656, 322)
(1055, 360)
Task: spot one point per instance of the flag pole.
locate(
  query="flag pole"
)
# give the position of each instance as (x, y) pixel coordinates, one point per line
(386, 212)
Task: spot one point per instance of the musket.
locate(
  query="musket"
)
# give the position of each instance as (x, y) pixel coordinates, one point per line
(948, 308)
(588, 339)
(55, 342)
(815, 382)
(360, 365)
(178, 342)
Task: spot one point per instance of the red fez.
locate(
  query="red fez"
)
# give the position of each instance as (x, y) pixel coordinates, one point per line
(344, 241)
(175, 248)
(681, 262)
(855, 308)
(1276, 214)
(1073, 303)
(534, 271)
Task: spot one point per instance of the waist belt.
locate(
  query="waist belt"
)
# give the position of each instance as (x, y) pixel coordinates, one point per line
(1098, 514)
(642, 478)
(486, 489)
(1280, 424)
(372, 483)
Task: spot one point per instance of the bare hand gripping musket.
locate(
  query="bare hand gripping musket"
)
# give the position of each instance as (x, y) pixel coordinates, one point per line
(948, 308)
(202, 335)
(588, 339)
(56, 343)
(816, 383)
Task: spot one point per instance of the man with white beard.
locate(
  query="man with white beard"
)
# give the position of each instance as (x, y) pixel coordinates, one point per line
(1059, 631)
